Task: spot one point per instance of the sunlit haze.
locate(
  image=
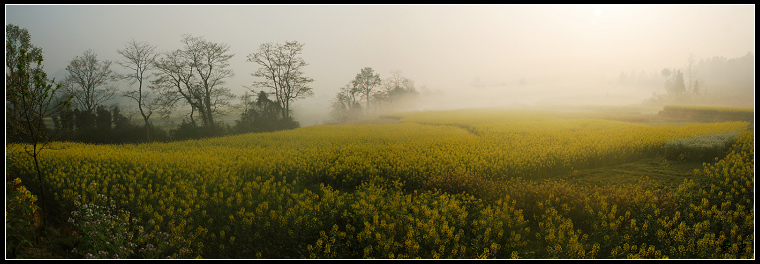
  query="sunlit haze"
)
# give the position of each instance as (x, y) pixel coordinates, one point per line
(468, 55)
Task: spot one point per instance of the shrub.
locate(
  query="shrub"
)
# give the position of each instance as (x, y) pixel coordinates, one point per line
(105, 229)
(108, 232)
(19, 217)
(190, 130)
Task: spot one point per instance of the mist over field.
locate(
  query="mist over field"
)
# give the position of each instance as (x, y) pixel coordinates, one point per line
(380, 131)
(458, 56)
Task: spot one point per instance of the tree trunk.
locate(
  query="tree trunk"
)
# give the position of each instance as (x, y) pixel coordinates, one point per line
(142, 112)
(147, 128)
(209, 116)
(367, 95)
(35, 156)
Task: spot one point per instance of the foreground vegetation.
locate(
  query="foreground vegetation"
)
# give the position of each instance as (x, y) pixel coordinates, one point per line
(448, 184)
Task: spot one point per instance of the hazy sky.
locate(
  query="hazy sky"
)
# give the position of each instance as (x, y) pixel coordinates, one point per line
(443, 47)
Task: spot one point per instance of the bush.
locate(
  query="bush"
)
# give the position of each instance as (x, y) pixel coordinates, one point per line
(20, 218)
(104, 229)
(703, 148)
(189, 130)
(263, 115)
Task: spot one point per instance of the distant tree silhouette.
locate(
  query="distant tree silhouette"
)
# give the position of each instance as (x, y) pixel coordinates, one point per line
(679, 88)
(397, 89)
(345, 106)
(282, 71)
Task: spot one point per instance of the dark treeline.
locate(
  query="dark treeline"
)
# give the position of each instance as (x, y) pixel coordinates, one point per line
(108, 125)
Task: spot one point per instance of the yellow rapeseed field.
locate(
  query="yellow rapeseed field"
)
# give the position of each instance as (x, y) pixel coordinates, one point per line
(420, 188)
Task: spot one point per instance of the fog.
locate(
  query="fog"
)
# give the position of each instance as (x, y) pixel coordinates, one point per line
(457, 55)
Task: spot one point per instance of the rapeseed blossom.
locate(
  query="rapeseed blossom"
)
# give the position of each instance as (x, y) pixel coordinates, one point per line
(447, 184)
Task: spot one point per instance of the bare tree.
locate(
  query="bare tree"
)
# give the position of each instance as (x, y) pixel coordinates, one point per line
(282, 73)
(139, 57)
(89, 81)
(196, 75)
(366, 81)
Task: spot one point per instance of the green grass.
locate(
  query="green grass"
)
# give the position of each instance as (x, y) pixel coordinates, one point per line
(703, 148)
(707, 113)
(657, 172)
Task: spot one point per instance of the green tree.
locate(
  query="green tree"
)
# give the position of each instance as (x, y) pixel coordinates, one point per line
(103, 120)
(262, 115)
(30, 99)
(366, 81)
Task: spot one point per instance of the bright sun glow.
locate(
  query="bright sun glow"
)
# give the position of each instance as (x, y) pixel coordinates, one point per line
(597, 12)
